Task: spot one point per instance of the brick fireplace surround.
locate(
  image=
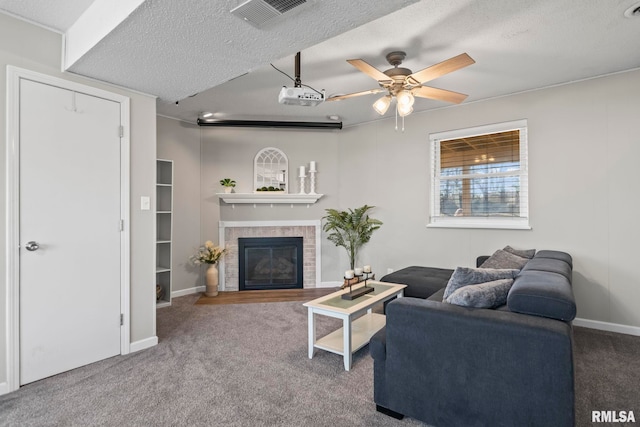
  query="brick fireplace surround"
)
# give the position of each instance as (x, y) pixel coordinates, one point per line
(309, 230)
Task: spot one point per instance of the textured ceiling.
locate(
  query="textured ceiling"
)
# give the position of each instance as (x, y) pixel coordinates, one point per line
(57, 15)
(181, 47)
(178, 48)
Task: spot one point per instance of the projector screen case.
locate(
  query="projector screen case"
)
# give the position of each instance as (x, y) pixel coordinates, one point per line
(270, 124)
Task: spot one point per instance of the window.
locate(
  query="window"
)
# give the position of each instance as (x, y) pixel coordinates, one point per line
(479, 177)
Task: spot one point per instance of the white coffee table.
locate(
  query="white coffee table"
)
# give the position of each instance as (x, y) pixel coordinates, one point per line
(354, 334)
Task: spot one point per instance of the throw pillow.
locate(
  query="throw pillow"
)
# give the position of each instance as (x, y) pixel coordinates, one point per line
(524, 253)
(502, 259)
(483, 295)
(464, 276)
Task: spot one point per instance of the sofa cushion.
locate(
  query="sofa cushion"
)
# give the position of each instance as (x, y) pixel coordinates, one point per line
(502, 259)
(524, 253)
(540, 293)
(464, 276)
(482, 295)
(421, 282)
(562, 256)
(438, 296)
(549, 265)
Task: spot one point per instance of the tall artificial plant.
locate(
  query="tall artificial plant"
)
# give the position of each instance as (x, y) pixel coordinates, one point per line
(350, 229)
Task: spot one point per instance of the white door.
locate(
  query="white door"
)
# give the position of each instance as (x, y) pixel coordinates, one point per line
(70, 212)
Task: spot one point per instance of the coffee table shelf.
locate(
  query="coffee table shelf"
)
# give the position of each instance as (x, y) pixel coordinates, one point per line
(362, 329)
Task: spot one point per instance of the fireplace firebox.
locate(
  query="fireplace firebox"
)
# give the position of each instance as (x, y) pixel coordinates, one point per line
(270, 263)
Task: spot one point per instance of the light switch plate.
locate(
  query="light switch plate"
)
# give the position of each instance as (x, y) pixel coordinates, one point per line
(145, 203)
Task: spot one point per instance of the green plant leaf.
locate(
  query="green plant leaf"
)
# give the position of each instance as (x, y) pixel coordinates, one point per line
(350, 229)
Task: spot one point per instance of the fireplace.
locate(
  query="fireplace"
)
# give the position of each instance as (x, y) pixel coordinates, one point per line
(270, 263)
(231, 231)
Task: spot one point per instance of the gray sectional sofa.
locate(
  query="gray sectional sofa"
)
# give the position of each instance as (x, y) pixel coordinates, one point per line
(451, 365)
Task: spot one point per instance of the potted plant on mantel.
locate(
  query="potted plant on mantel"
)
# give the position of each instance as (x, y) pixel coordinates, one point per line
(228, 184)
(209, 254)
(350, 229)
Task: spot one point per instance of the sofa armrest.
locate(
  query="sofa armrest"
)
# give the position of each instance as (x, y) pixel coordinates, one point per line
(378, 345)
(497, 365)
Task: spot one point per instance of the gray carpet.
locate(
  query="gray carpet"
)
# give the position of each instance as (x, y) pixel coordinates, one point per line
(247, 365)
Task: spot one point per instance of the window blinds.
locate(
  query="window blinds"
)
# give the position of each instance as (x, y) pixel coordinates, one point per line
(481, 176)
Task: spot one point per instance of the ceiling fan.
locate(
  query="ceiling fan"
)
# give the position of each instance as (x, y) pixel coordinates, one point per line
(403, 84)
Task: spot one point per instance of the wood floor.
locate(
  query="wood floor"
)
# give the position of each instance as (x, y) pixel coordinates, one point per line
(278, 295)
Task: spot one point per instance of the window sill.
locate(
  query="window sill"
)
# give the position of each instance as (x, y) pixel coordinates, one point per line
(497, 224)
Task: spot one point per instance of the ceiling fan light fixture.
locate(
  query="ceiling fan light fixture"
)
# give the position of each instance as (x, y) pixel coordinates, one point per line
(404, 110)
(633, 11)
(405, 98)
(382, 105)
(403, 85)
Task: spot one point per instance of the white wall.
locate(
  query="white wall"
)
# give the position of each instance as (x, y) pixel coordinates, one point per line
(583, 151)
(27, 46)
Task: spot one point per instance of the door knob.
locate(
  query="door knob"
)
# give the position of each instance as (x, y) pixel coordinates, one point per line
(32, 246)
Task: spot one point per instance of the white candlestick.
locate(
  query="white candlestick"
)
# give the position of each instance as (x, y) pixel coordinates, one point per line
(301, 185)
(312, 166)
(312, 183)
(366, 269)
(348, 274)
(302, 172)
(358, 271)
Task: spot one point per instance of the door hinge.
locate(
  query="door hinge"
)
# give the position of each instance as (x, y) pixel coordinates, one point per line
(121, 131)
(121, 225)
(121, 319)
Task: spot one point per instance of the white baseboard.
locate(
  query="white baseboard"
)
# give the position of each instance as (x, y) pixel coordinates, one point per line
(4, 388)
(328, 284)
(143, 344)
(607, 326)
(188, 291)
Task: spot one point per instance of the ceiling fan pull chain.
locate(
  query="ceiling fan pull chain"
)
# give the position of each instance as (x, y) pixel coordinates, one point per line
(402, 124)
(396, 117)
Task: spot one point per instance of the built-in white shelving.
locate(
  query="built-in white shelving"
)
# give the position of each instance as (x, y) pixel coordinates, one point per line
(164, 228)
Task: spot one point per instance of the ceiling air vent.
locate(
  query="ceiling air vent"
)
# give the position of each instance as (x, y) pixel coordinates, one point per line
(259, 12)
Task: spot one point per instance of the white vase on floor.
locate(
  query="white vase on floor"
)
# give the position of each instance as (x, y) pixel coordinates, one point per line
(212, 281)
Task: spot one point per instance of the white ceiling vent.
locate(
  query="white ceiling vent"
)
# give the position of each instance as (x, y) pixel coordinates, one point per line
(259, 12)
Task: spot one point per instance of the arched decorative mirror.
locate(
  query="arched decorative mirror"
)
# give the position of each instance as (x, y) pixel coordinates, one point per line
(271, 170)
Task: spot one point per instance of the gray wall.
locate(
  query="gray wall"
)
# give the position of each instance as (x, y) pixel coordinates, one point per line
(583, 150)
(202, 157)
(180, 142)
(27, 46)
(583, 175)
(229, 153)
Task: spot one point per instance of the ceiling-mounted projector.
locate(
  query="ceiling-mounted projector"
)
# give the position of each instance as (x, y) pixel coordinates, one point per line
(300, 96)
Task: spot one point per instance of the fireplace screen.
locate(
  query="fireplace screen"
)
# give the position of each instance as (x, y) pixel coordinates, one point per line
(270, 263)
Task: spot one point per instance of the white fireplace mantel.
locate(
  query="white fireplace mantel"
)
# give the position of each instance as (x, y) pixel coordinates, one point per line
(269, 198)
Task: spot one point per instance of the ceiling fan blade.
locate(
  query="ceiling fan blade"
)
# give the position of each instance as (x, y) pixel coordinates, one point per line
(440, 69)
(351, 95)
(369, 70)
(439, 94)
